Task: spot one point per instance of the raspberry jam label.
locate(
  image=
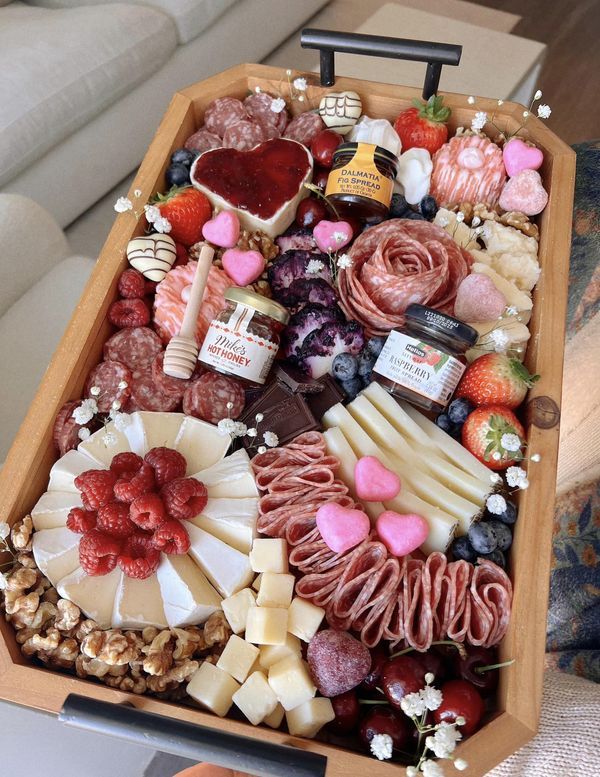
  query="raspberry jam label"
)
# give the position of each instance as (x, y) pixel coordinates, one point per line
(420, 367)
(231, 347)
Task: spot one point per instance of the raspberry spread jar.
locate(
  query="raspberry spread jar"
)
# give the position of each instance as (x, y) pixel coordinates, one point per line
(243, 339)
(424, 361)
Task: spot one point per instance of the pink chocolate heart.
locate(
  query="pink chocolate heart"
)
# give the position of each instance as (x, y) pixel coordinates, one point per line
(332, 235)
(373, 481)
(519, 156)
(401, 534)
(478, 299)
(223, 230)
(243, 267)
(341, 527)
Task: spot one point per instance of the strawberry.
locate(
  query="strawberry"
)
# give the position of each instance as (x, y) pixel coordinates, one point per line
(424, 125)
(187, 210)
(495, 379)
(485, 432)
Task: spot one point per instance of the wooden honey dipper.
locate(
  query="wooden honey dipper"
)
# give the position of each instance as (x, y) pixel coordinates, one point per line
(181, 354)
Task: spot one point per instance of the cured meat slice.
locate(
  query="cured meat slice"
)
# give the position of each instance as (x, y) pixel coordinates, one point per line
(213, 397)
(259, 107)
(223, 112)
(491, 594)
(146, 394)
(66, 429)
(112, 379)
(174, 387)
(304, 128)
(135, 348)
(244, 135)
(203, 140)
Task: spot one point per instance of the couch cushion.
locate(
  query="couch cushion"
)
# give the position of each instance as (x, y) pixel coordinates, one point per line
(60, 68)
(191, 17)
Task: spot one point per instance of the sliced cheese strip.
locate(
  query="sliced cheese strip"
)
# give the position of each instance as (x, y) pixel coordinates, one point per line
(94, 595)
(160, 429)
(226, 568)
(67, 468)
(201, 444)
(231, 520)
(56, 552)
(52, 509)
(97, 448)
(135, 432)
(396, 414)
(231, 477)
(138, 603)
(188, 597)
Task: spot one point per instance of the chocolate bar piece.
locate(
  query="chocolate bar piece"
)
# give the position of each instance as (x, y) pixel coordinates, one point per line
(284, 413)
(330, 395)
(295, 379)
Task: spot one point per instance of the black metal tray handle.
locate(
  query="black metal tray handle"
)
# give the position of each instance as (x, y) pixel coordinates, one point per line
(197, 743)
(328, 42)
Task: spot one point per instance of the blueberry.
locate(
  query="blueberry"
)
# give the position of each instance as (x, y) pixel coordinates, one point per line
(183, 156)
(366, 379)
(459, 409)
(352, 387)
(446, 425)
(509, 516)
(503, 534)
(428, 207)
(177, 175)
(344, 367)
(461, 549)
(398, 206)
(366, 360)
(414, 215)
(482, 538)
(497, 556)
(375, 345)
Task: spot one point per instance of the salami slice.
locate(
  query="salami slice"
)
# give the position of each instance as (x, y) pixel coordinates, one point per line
(304, 128)
(66, 429)
(146, 394)
(174, 387)
(135, 348)
(222, 113)
(259, 108)
(208, 398)
(244, 135)
(203, 140)
(113, 380)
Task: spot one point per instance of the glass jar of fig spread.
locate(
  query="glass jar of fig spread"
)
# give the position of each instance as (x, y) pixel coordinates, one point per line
(423, 361)
(361, 181)
(243, 339)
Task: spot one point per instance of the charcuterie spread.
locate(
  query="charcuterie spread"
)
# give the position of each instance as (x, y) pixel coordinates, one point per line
(310, 521)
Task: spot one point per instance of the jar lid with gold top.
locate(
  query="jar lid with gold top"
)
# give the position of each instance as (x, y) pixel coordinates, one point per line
(257, 302)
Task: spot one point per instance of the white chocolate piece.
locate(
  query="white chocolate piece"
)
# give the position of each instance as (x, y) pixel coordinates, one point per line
(340, 111)
(152, 255)
(238, 658)
(269, 555)
(308, 718)
(256, 698)
(291, 682)
(274, 719)
(414, 174)
(266, 625)
(304, 618)
(272, 654)
(236, 609)
(213, 688)
(275, 590)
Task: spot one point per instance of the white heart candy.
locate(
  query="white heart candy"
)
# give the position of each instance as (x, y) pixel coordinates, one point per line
(340, 110)
(153, 255)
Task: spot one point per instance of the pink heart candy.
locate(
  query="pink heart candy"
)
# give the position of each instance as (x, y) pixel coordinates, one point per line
(519, 156)
(243, 267)
(332, 235)
(525, 193)
(223, 230)
(342, 528)
(478, 300)
(401, 534)
(373, 481)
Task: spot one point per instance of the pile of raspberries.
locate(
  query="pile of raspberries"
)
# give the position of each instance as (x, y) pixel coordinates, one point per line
(133, 511)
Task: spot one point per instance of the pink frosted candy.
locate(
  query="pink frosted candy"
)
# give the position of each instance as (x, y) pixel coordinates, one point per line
(373, 481)
(524, 193)
(337, 661)
(519, 156)
(478, 300)
(401, 533)
(469, 168)
(341, 527)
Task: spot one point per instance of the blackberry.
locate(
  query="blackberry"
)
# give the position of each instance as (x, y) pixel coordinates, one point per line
(398, 206)
(428, 207)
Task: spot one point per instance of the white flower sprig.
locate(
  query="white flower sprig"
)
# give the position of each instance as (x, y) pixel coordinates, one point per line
(237, 429)
(543, 112)
(5, 547)
(151, 212)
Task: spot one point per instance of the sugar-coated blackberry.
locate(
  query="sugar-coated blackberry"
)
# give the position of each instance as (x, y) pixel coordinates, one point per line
(428, 207)
(482, 538)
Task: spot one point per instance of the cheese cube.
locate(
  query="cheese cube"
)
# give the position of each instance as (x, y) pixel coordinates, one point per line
(304, 618)
(236, 609)
(274, 719)
(275, 590)
(256, 698)
(271, 654)
(266, 625)
(291, 682)
(308, 718)
(256, 583)
(237, 658)
(213, 688)
(269, 556)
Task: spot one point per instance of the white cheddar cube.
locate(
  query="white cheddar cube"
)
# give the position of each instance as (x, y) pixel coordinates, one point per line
(213, 688)
(256, 583)
(269, 556)
(256, 698)
(304, 618)
(291, 682)
(275, 590)
(237, 658)
(271, 654)
(236, 609)
(308, 718)
(274, 719)
(266, 625)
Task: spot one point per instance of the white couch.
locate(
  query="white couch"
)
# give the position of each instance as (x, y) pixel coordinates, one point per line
(84, 83)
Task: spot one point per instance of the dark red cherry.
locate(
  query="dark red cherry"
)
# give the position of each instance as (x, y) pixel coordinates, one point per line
(434, 663)
(323, 147)
(401, 676)
(383, 720)
(309, 212)
(379, 655)
(460, 698)
(466, 668)
(347, 711)
(320, 176)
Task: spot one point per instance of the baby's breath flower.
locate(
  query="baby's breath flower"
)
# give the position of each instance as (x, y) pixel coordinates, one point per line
(152, 213)
(229, 405)
(431, 769)
(478, 230)
(495, 477)
(109, 439)
(252, 432)
(4, 530)
(460, 216)
(288, 72)
(500, 102)
(85, 412)
(544, 111)
(239, 429)
(525, 114)
(344, 262)
(442, 221)
(300, 84)
(446, 737)
(137, 193)
(116, 405)
(460, 721)
(121, 421)
(262, 449)
(479, 121)
(226, 426)
(496, 504)
(511, 310)
(301, 98)
(258, 417)
(95, 391)
(432, 697)
(122, 385)
(412, 705)
(3, 582)
(471, 100)
(429, 678)
(516, 477)
(537, 95)
(277, 105)
(83, 433)
(499, 340)
(382, 746)
(411, 771)
(476, 221)
(511, 442)
(496, 455)
(314, 266)
(460, 764)
(123, 204)
(257, 89)
(271, 439)
(162, 225)
(339, 237)
(535, 457)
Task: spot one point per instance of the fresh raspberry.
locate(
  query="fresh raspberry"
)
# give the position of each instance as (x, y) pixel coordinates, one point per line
(184, 497)
(139, 558)
(171, 537)
(129, 313)
(80, 520)
(167, 464)
(147, 511)
(126, 464)
(128, 488)
(98, 552)
(113, 519)
(132, 284)
(96, 486)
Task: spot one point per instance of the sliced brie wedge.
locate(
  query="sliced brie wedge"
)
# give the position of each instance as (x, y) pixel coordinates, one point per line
(138, 603)
(231, 520)
(67, 468)
(95, 596)
(56, 552)
(52, 509)
(201, 444)
(188, 597)
(231, 477)
(226, 568)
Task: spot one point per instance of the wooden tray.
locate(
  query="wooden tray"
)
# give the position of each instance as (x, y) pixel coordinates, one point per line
(25, 474)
